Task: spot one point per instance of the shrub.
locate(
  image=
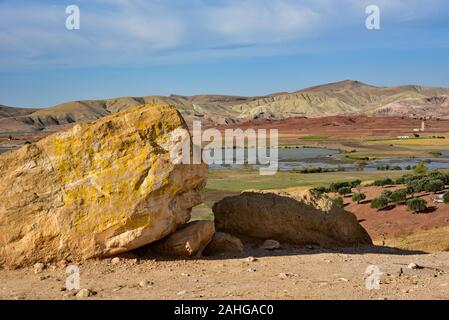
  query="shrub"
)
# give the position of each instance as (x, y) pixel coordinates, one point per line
(386, 194)
(398, 195)
(435, 174)
(421, 168)
(339, 202)
(356, 183)
(434, 185)
(416, 205)
(383, 182)
(378, 203)
(446, 197)
(359, 196)
(320, 190)
(400, 180)
(337, 185)
(344, 191)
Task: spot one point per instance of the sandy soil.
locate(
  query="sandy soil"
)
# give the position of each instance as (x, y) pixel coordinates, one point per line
(288, 273)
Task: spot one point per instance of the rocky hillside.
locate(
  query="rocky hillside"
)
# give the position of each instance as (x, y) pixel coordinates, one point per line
(434, 106)
(340, 98)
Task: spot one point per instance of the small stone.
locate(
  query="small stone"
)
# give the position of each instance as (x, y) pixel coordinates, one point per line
(251, 259)
(284, 276)
(118, 288)
(270, 245)
(38, 267)
(84, 293)
(344, 279)
(145, 283)
(180, 293)
(70, 293)
(414, 266)
(41, 278)
(115, 260)
(251, 270)
(195, 280)
(63, 263)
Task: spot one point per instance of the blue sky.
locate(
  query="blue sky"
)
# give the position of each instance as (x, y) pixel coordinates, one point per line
(241, 47)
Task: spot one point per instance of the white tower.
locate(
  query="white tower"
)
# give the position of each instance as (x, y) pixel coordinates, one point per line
(423, 125)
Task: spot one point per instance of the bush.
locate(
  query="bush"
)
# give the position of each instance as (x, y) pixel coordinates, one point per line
(421, 168)
(435, 174)
(356, 183)
(416, 205)
(398, 195)
(337, 185)
(400, 180)
(378, 203)
(434, 185)
(383, 182)
(344, 191)
(339, 202)
(359, 196)
(386, 194)
(446, 197)
(321, 190)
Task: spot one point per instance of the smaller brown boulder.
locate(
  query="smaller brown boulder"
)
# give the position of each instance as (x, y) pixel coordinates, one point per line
(223, 242)
(188, 241)
(270, 245)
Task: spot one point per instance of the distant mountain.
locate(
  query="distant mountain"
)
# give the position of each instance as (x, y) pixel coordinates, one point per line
(340, 98)
(435, 107)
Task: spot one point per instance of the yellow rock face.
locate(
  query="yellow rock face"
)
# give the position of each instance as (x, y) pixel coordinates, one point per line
(96, 190)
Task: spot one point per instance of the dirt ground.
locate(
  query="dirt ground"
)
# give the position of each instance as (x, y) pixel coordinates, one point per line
(347, 126)
(396, 220)
(287, 273)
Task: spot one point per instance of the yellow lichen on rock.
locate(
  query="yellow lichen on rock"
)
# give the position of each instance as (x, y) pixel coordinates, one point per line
(97, 189)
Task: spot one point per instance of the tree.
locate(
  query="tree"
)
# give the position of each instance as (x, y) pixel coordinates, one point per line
(337, 185)
(356, 183)
(321, 190)
(344, 191)
(398, 196)
(416, 205)
(378, 203)
(339, 202)
(359, 196)
(421, 168)
(383, 182)
(434, 185)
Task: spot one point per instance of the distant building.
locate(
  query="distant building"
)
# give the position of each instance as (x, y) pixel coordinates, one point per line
(403, 137)
(423, 127)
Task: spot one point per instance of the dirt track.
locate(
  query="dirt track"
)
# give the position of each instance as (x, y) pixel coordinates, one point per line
(289, 273)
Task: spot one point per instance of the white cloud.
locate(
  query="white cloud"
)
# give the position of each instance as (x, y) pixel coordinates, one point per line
(260, 21)
(156, 31)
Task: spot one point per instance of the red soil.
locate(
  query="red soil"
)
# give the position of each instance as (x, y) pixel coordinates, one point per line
(346, 126)
(397, 221)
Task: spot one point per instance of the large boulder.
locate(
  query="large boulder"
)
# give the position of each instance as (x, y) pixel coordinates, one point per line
(188, 241)
(303, 218)
(96, 190)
